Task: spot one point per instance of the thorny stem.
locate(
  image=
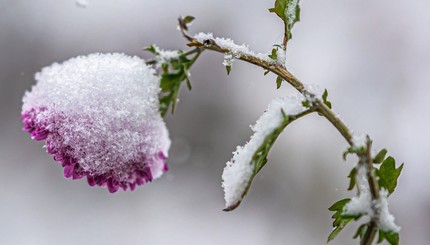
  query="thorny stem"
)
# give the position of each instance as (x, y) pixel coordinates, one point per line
(325, 111)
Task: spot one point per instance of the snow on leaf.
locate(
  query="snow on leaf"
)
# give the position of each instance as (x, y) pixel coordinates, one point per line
(289, 12)
(248, 160)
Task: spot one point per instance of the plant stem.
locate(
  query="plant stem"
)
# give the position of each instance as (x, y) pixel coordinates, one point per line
(320, 106)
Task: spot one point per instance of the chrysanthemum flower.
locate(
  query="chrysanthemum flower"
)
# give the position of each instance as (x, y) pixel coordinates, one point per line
(99, 117)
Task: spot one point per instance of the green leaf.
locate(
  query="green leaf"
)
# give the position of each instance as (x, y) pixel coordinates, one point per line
(274, 54)
(388, 174)
(228, 68)
(380, 156)
(184, 22)
(188, 19)
(352, 176)
(339, 204)
(338, 229)
(391, 237)
(289, 12)
(152, 49)
(306, 104)
(353, 150)
(266, 72)
(279, 82)
(361, 231)
(174, 73)
(324, 97)
(340, 220)
(259, 158)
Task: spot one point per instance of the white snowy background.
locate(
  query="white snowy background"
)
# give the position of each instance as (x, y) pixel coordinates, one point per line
(373, 56)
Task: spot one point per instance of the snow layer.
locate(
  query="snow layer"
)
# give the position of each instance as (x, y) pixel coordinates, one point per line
(362, 204)
(239, 171)
(239, 51)
(104, 111)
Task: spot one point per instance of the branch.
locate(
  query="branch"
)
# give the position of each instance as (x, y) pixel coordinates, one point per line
(320, 107)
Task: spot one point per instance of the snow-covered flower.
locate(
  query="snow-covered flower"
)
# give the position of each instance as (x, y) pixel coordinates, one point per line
(99, 117)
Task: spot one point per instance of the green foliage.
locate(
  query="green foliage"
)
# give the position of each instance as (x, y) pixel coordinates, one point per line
(391, 237)
(228, 68)
(352, 180)
(388, 174)
(380, 156)
(173, 74)
(289, 12)
(274, 54)
(353, 150)
(361, 231)
(184, 22)
(324, 97)
(340, 219)
(279, 81)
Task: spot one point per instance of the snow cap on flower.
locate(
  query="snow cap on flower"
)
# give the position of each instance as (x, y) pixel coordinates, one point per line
(99, 117)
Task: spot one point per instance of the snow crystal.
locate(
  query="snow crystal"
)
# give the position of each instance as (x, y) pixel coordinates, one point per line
(361, 204)
(313, 93)
(290, 11)
(104, 111)
(239, 51)
(165, 56)
(386, 219)
(228, 60)
(238, 171)
(359, 140)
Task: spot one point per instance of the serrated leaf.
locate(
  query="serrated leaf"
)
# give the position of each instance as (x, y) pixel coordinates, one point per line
(174, 73)
(379, 158)
(351, 177)
(289, 12)
(340, 219)
(278, 82)
(388, 174)
(259, 158)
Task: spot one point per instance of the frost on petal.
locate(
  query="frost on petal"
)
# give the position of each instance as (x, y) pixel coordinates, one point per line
(240, 170)
(99, 117)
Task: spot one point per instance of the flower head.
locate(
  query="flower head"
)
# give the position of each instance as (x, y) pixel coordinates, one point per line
(99, 117)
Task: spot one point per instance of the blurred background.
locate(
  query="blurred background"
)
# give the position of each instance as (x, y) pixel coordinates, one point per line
(373, 56)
